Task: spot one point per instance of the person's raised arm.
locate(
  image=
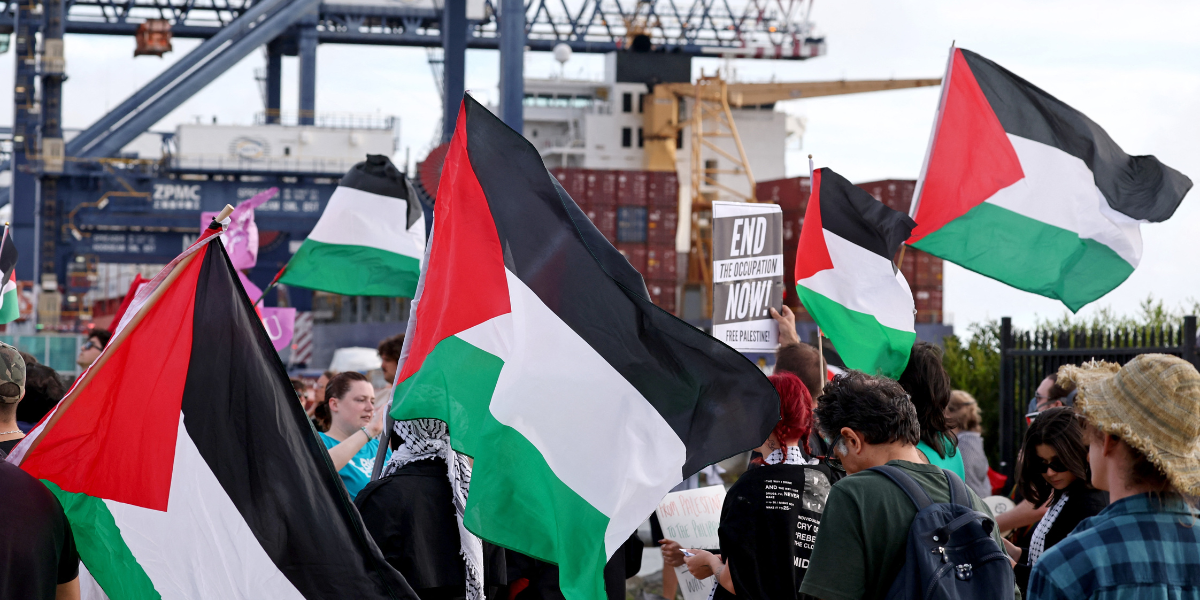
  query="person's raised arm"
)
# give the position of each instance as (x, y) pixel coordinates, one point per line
(342, 453)
(787, 326)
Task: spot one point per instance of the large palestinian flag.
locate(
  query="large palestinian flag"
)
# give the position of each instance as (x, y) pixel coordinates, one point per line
(845, 277)
(10, 305)
(1022, 188)
(186, 466)
(370, 239)
(581, 402)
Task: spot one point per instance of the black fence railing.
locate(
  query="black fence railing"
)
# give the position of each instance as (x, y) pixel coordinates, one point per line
(1027, 357)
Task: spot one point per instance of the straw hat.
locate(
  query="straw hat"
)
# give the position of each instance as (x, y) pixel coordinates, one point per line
(1153, 403)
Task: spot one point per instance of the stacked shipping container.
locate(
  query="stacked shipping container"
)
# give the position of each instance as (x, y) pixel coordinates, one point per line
(923, 271)
(638, 211)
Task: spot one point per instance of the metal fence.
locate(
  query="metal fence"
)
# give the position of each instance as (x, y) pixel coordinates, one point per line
(1027, 357)
(57, 351)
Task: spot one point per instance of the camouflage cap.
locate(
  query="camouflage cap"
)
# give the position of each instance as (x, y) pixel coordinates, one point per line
(12, 370)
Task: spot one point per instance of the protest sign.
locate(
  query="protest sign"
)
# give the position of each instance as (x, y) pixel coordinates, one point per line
(747, 274)
(691, 517)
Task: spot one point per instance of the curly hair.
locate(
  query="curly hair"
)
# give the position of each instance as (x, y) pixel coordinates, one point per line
(795, 410)
(876, 407)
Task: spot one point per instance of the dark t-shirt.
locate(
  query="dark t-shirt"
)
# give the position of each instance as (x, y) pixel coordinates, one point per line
(863, 538)
(37, 550)
(7, 445)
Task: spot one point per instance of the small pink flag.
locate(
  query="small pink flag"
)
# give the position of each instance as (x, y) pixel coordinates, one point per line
(280, 323)
(241, 237)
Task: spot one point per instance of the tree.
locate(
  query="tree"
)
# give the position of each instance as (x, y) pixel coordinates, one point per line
(975, 369)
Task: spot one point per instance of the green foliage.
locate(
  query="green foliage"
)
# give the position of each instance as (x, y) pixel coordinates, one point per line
(975, 369)
(1151, 313)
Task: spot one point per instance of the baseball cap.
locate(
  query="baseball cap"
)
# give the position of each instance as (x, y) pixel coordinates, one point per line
(12, 370)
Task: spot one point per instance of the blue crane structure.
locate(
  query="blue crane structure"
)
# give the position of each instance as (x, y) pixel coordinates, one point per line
(80, 199)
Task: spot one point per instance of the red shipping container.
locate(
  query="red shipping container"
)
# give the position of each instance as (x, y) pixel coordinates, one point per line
(602, 188)
(661, 225)
(661, 262)
(604, 218)
(789, 194)
(662, 189)
(632, 187)
(574, 181)
(662, 293)
(635, 254)
(895, 193)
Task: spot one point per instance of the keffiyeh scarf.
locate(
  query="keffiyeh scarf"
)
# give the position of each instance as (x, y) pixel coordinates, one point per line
(428, 438)
(795, 456)
(1037, 544)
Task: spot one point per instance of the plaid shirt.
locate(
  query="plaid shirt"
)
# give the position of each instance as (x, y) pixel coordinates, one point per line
(1137, 547)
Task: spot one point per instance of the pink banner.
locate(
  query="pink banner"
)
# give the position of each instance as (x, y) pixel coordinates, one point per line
(241, 237)
(280, 323)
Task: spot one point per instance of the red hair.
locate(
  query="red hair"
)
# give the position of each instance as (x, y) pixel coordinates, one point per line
(795, 410)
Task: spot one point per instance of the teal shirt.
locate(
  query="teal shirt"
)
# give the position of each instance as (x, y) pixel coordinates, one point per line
(953, 463)
(357, 473)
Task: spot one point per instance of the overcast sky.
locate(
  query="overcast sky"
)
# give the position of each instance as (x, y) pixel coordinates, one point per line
(1134, 68)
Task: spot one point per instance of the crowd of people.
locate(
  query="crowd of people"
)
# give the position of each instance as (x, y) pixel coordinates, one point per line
(844, 500)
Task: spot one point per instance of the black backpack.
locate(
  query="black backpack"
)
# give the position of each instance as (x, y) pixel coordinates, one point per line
(951, 554)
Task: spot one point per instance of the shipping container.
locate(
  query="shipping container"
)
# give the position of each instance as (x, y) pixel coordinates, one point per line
(635, 254)
(631, 187)
(602, 188)
(662, 293)
(789, 194)
(661, 263)
(929, 316)
(631, 224)
(574, 181)
(661, 224)
(605, 219)
(895, 193)
(662, 189)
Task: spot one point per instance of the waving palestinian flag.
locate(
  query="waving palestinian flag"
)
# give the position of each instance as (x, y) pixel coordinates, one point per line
(846, 280)
(1029, 191)
(370, 239)
(186, 466)
(582, 403)
(10, 305)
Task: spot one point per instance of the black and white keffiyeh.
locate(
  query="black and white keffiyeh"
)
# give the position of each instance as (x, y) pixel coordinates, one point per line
(422, 439)
(1037, 543)
(795, 456)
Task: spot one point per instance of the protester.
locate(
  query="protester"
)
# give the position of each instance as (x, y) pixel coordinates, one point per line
(803, 361)
(415, 514)
(319, 398)
(928, 387)
(43, 389)
(861, 543)
(12, 390)
(1143, 435)
(965, 420)
(1054, 471)
(38, 559)
(95, 342)
(1041, 397)
(354, 428)
(389, 352)
(533, 579)
(771, 514)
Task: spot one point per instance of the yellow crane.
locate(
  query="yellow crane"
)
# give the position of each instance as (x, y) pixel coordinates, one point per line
(712, 100)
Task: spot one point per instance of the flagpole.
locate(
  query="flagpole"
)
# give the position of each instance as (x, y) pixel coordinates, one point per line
(820, 342)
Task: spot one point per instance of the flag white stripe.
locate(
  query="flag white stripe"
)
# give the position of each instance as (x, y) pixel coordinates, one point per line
(202, 530)
(596, 431)
(357, 218)
(864, 282)
(1060, 190)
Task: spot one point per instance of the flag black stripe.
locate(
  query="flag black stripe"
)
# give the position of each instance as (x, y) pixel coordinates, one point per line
(715, 400)
(857, 217)
(241, 412)
(377, 175)
(1139, 186)
(8, 258)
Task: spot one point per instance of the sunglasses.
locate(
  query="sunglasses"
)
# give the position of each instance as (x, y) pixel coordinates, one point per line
(1056, 465)
(92, 346)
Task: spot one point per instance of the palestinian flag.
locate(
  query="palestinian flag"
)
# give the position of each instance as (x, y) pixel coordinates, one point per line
(186, 466)
(846, 280)
(582, 403)
(370, 239)
(1024, 189)
(10, 304)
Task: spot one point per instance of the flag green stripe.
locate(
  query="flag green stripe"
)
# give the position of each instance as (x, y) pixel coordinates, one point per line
(102, 549)
(1029, 254)
(516, 500)
(861, 340)
(352, 270)
(10, 307)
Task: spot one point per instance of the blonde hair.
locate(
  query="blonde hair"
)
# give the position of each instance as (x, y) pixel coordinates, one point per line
(962, 412)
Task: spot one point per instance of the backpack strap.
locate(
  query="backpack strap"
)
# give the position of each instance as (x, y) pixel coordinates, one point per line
(911, 488)
(958, 490)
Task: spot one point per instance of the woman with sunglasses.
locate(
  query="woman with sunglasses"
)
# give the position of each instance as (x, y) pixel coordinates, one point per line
(1054, 468)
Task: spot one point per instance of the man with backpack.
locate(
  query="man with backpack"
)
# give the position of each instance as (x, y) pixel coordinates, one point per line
(873, 542)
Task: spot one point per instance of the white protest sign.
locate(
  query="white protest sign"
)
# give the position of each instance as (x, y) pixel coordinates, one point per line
(747, 249)
(692, 517)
